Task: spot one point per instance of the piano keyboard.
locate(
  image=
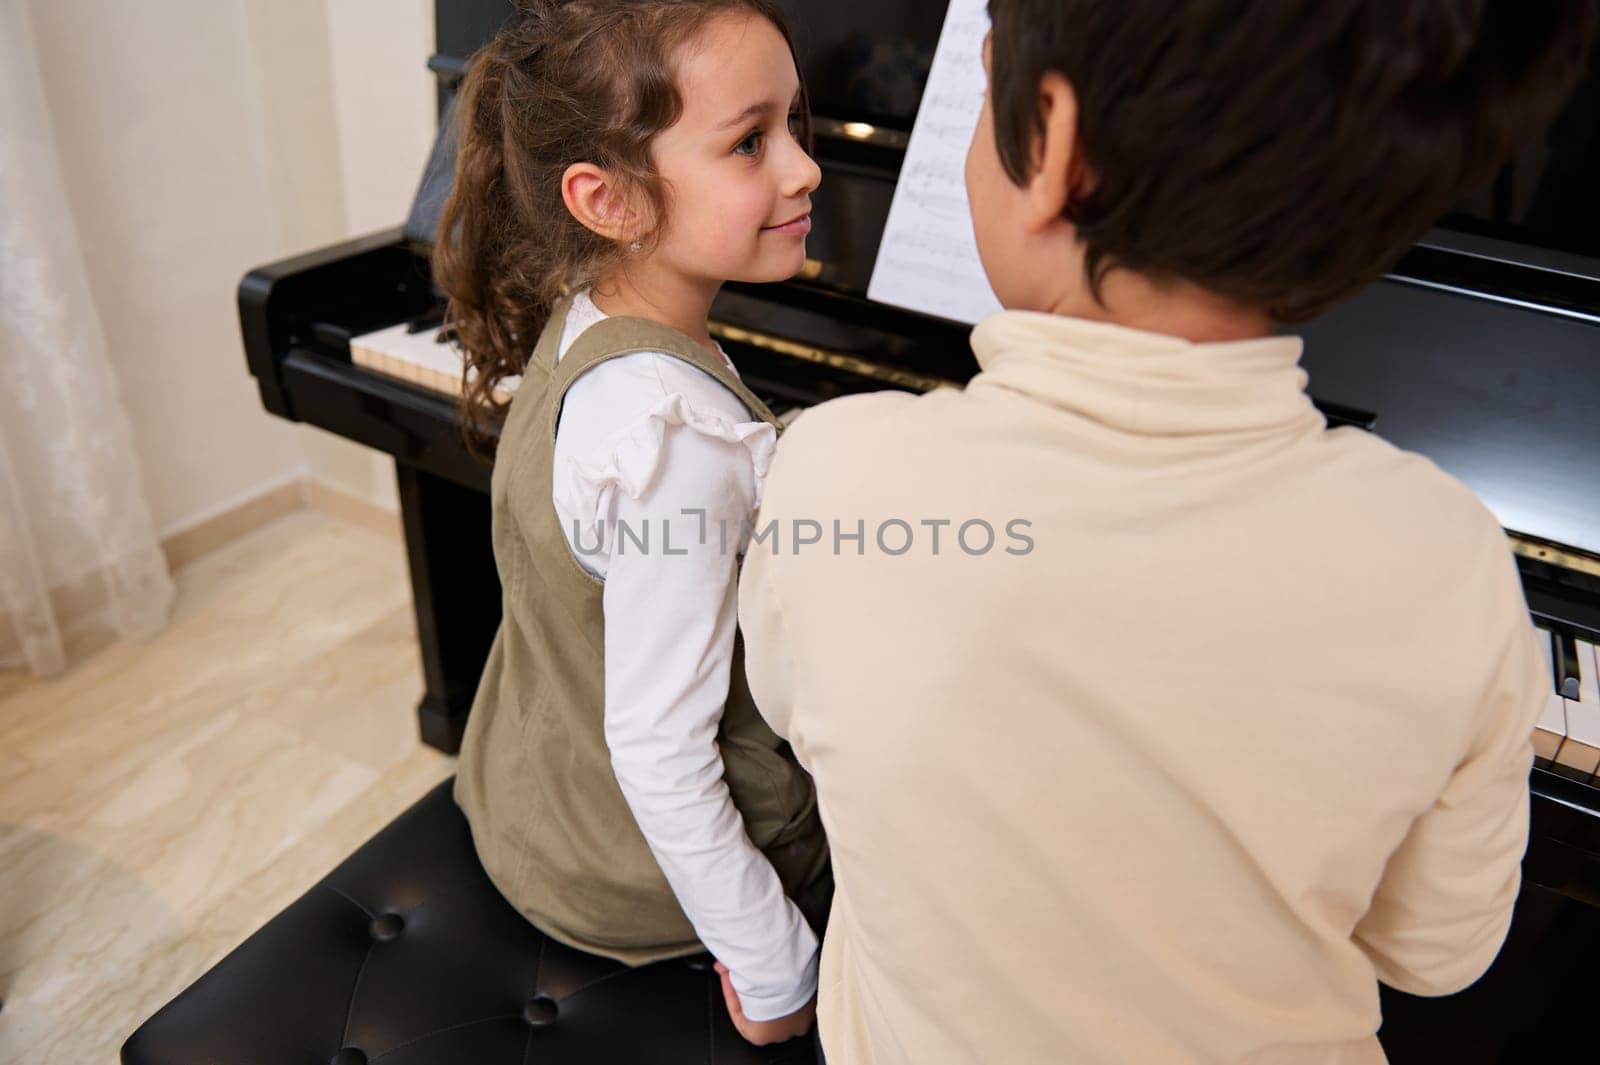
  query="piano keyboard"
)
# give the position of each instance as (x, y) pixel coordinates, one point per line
(418, 357)
(421, 358)
(1568, 733)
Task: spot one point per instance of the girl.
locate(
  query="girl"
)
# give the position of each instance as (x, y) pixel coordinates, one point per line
(618, 161)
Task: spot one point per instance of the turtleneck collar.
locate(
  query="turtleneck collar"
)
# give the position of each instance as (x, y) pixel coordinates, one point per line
(1145, 383)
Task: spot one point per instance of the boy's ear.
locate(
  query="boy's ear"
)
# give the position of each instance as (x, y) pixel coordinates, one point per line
(592, 197)
(1060, 174)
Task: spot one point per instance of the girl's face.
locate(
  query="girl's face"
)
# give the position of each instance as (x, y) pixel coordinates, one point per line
(738, 183)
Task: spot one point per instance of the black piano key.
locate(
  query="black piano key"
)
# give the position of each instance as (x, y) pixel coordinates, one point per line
(331, 338)
(1564, 652)
(432, 318)
(1339, 415)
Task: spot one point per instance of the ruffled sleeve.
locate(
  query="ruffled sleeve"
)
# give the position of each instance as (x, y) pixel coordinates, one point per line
(628, 460)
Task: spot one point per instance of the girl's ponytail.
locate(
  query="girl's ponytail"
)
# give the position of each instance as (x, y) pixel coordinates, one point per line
(484, 249)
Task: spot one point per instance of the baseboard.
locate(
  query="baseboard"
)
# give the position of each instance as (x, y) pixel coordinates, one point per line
(352, 509)
(182, 548)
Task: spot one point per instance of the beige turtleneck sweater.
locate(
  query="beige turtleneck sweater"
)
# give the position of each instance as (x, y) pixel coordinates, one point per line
(1234, 727)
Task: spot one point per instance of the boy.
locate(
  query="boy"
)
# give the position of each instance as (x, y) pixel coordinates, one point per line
(1151, 721)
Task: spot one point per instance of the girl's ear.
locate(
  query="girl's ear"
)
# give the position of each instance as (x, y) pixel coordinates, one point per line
(593, 197)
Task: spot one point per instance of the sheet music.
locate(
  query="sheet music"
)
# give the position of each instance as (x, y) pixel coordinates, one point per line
(928, 260)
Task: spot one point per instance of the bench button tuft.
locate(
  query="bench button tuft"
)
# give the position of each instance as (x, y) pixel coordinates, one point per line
(386, 927)
(540, 1010)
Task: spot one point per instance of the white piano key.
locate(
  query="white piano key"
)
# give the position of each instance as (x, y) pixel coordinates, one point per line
(1551, 730)
(1583, 714)
(1588, 683)
(418, 349)
(418, 358)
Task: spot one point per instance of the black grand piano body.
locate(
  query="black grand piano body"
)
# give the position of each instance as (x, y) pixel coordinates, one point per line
(1480, 353)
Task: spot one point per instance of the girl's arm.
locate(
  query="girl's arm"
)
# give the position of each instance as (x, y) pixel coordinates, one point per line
(670, 621)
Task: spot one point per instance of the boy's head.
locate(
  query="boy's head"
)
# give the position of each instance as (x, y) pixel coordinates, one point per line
(1276, 155)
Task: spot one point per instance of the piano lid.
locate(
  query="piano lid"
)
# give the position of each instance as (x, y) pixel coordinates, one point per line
(1496, 378)
(422, 223)
(1504, 398)
(867, 63)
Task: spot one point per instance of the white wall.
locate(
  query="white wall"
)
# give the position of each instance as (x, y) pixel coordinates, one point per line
(201, 138)
(384, 100)
(384, 104)
(153, 112)
(290, 59)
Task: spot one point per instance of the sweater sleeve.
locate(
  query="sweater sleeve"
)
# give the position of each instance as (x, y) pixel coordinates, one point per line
(1443, 907)
(767, 648)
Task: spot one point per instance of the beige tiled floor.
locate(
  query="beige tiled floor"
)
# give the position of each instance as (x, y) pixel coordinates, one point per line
(160, 802)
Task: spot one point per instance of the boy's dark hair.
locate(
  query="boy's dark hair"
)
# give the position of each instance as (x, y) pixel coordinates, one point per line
(1281, 153)
(567, 81)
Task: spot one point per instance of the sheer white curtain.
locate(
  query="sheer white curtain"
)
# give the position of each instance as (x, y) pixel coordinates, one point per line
(77, 546)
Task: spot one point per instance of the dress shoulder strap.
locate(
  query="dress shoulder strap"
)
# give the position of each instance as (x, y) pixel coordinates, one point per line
(612, 338)
(542, 361)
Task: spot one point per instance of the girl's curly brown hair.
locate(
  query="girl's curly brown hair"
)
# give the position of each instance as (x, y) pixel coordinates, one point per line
(567, 81)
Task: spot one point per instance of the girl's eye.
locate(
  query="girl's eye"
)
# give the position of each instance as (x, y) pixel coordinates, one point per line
(752, 144)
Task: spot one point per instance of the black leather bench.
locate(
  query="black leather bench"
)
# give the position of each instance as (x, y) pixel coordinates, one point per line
(407, 955)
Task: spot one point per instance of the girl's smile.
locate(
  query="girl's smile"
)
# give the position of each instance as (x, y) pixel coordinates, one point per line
(797, 226)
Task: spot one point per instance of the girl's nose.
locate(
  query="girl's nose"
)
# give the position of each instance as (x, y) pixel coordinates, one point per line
(801, 174)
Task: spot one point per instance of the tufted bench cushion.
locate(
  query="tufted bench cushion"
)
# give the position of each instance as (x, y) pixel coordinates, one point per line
(407, 955)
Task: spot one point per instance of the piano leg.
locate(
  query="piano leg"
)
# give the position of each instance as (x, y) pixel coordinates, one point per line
(456, 592)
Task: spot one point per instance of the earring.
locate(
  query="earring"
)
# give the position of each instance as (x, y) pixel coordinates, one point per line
(636, 247)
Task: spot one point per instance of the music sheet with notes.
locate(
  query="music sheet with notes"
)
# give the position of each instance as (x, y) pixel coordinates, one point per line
(928, 260)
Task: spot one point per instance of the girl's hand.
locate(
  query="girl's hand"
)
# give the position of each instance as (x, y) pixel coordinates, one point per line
(763, 1032)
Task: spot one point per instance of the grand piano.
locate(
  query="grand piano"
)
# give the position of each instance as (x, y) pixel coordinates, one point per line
(1480, 350)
